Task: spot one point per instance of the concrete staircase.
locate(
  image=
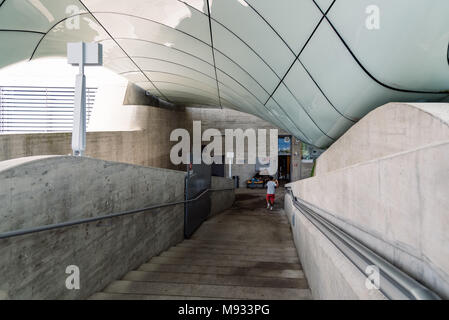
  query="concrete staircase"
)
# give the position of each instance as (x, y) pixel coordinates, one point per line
(240, 254)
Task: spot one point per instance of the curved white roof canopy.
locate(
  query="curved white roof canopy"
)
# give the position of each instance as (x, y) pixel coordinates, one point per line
(311, 67)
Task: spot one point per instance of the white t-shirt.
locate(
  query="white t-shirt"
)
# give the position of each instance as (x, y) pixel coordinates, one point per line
(271, 187)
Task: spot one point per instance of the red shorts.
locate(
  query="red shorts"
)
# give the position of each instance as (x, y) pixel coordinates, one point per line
(270, 198)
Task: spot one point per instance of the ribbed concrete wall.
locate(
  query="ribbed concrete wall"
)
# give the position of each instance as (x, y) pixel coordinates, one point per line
(392, 128)
(41, 191)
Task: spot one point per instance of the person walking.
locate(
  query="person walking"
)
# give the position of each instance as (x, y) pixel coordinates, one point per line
(271, 191)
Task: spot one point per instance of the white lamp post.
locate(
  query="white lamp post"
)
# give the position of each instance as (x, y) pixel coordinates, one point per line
(82, 54)
(230, 157)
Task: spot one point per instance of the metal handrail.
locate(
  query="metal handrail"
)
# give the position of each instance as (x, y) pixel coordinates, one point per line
(22, 232)
(395, 284)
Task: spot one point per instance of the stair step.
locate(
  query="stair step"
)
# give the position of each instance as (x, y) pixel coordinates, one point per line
(218, 251)
(216, 279)
(204, 290)
(238, 248)
(225, 263)
(237, 271)
(242, 244)
(226, 257)
(128, 296)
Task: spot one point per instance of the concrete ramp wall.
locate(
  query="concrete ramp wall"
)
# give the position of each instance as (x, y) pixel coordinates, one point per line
(39, 191)
(396, 204)
(392, 128)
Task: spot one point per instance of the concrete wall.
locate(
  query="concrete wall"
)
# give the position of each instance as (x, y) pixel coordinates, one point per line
(392, 128)
(41, 191)
(148, 147)
(330, 275)
(221, 200)
(386, 182)
(222, 119)
(397, 205)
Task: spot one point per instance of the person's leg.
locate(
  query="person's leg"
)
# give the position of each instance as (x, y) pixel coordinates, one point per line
(268, 200)
(271, 201)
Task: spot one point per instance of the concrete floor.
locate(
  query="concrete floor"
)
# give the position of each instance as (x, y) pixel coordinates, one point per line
(247, 252)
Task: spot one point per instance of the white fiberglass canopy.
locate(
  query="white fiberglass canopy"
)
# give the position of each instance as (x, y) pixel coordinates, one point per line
(311, 67)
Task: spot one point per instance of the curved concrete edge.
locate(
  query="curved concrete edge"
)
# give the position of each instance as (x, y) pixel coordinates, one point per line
(13, 163)
(45, 190)
(330, 274)
(25, 161)
(396, 205)
(389, 129)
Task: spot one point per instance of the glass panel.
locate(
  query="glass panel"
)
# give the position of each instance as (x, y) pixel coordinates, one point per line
(295, 113)
(163, 77)
(138, 28)
(140, 48)
(409, 50)
(243, 92)
(308, 95)
(16, 46)
(200, 5)
(254, 31)
(285, 122)
(153, 65)
(234, 71)
(134, 76)
(171, 13)
(236, 99)
(324, 4)
(229, 45)
(293, 20)
(181, 90)
(121, 65)
(38, 15)
(149, 87)
(55, 42)
(349, 89)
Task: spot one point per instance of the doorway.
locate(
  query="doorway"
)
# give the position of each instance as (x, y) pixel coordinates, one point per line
(284, 169)
(284, 159)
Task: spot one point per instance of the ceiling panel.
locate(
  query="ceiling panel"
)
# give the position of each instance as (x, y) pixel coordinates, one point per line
(121, 65)
(55, 42)
(165, 47)
(295, 112)
(312, 100)
(246, 59)
(288, 125)
(153, 65)
(419, 61)
(172, 13)
(343, 81)
(143, 49)
(293, 20)
(17, 46)
(234, 71)
(37, 15)
(121, 26)
(254, 32)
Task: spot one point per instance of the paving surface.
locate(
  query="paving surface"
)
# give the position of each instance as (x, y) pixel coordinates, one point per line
(247, 252)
